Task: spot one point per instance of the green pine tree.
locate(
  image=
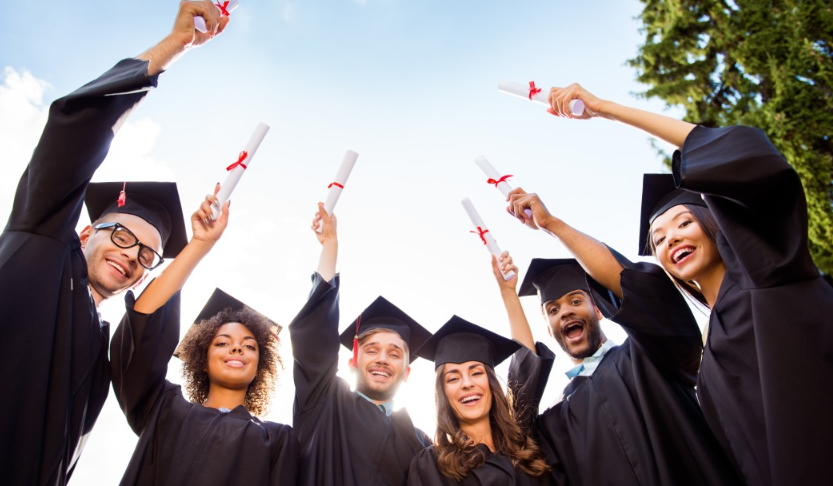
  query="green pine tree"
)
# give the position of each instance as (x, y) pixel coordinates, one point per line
(767, 64)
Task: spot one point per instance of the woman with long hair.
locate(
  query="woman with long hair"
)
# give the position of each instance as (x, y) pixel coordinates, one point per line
(230, 361)
(478, 441)
(729, 225)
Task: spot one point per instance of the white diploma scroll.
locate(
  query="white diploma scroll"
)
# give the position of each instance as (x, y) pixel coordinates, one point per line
(337, 186)
(239, 167)
(484, 234)
(539, 95)
(494, 176)
(223, 6)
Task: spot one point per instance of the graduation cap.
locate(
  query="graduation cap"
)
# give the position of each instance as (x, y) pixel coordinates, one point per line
(381, 314)
(155, 202)
(459, 341)
(553, 278)
(659, 194)
(218, 302)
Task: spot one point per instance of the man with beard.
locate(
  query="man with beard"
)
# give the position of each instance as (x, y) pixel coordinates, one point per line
(55, 369)
(351, 438)
(629, 414)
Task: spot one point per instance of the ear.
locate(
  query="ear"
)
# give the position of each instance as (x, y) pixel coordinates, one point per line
(84, 235)
(599, 315)
(351, 364)
(407, 373)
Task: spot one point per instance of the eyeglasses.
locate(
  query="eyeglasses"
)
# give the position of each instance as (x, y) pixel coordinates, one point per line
(124, 238)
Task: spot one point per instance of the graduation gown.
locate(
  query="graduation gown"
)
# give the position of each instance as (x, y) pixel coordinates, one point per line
(635, 420)
(345, 439)
(767, 369)
(497, 470)
(55, 369)
(183, 443)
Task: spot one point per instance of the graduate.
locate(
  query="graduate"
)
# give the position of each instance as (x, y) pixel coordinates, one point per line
(352, 437)
(478, 441)
(230, 361)
(629, 414)
(733, 229)
(54, 280)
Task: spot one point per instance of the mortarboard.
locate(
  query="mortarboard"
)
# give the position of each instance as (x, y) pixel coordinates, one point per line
(554, 278)
(156, 202)
(659, 194)
(459, 341)
(218, 302)
(382, 314)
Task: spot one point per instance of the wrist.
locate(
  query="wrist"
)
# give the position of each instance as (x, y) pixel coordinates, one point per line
(200, 245)
(607, 110)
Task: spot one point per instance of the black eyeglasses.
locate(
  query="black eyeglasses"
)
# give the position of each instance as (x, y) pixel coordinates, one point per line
(124, 238)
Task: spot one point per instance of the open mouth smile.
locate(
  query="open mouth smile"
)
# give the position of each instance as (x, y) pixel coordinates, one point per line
(681, 254)
(573, 331)
(380, 373)
(235, 363)
(471, 399)
(119, 268)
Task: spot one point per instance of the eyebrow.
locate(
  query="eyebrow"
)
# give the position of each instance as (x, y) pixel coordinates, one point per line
(377, 343)
(228, 336)
(457, 371)
(684, 211)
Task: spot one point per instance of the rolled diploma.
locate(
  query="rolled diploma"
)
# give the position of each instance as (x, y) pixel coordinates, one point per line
(341, 178)
(491, 173)
(491, 244)
(522, 90)
(199, 22)
(235, 174)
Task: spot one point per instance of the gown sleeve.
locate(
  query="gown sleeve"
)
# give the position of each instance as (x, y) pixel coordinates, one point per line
(756, 198)
(75, 141)
(527, 380)
(285, 466)
(424, 470)
(141, 348)
(656, 316)
(315, 343)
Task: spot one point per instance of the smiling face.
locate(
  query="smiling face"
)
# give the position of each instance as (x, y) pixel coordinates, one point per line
(574, 323)
(232, 357)
(382, 365)
(466, 388)
(682, 246)
(112, 269)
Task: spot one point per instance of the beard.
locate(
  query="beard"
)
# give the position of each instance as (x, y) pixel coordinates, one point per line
(593, 332)
(375, 391)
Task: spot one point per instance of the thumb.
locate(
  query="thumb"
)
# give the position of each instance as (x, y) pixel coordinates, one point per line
(216, 188)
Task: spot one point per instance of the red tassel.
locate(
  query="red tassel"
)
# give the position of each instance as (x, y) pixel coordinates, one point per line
(122, 195)
(356, 342)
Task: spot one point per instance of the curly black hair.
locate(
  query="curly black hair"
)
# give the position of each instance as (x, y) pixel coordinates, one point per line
(194, 356)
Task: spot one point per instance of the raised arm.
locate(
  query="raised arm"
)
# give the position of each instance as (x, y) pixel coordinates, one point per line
(591, 254)
(205, 235)
(518, 324)
(664, 127)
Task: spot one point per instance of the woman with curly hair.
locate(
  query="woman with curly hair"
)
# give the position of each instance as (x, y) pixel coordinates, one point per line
(478, 441)
(230, 361)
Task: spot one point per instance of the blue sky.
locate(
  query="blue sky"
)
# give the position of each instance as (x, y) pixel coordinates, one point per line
(410, 86)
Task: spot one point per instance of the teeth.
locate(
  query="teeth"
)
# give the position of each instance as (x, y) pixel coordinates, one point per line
(117, 267)
(680, 254)
(470, 398)
(380, 373)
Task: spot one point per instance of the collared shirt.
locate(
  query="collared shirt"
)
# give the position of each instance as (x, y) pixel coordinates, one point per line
(589, 365)
(386, 407)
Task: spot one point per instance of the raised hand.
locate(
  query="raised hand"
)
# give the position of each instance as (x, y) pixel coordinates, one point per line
(329, 223)
(560, 100)
(519, 201)
(501, 265)
(203, 225)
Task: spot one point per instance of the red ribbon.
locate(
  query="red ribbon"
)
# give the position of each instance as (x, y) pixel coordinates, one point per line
(335, 184)
(240, 160)
(480, 232)
(122, 195)
(222, 7)
(533, 90)
(502, 179)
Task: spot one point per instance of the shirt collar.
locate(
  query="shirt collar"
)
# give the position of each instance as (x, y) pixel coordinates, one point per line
(386, 407)
(590, 362)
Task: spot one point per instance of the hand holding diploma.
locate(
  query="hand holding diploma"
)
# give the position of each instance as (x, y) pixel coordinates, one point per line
(529, 209)
(494, 177)
(504, 265)
(484, 234)
(238, 168)
(536, 94)
(337, 185)
(224, 8)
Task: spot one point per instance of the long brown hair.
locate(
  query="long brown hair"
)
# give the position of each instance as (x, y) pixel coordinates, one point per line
(458, 454)
(194, 356)
(706, 220)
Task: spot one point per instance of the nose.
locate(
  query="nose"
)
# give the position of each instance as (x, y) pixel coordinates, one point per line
(236, 348)
(132, 254)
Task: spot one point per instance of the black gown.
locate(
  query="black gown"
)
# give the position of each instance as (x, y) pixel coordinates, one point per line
(635, 420)
(55, 367)
(183, 443)
(497, 470)
(345, 439)
(767, 373)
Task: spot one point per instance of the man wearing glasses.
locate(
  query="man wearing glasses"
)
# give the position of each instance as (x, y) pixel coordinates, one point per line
(54, 367)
